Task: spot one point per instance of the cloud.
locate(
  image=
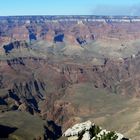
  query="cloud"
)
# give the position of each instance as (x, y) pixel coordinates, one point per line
(133, 10)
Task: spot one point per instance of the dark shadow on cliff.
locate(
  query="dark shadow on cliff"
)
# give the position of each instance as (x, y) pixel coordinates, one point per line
(6, 130)
(59, 38)
(13, 95)
(3, 102)
(52, 131)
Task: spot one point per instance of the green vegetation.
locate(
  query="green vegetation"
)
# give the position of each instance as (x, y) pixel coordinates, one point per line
(96, 130)
(110, 136)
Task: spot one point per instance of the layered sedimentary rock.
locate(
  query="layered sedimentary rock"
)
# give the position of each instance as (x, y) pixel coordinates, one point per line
(78, 30)
(38, 85)
(43, 58)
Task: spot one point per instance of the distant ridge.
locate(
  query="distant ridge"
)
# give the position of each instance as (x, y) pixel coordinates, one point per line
(71, 16)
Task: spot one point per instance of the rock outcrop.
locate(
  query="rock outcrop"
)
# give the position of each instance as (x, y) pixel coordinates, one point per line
(89, 131)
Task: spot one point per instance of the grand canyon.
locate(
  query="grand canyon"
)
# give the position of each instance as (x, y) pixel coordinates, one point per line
(58, 71)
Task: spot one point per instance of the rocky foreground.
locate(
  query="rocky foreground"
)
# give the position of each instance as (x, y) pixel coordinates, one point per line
(22, 126)
(90, 131)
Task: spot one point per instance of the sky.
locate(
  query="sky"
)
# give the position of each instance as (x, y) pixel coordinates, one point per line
(69, 7)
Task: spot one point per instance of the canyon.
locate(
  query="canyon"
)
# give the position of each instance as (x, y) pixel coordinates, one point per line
(69, 69)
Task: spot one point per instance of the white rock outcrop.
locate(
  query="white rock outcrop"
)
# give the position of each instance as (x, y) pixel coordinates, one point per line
(89, 131)
(78, 129)
(86, 136)
(120, 136)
